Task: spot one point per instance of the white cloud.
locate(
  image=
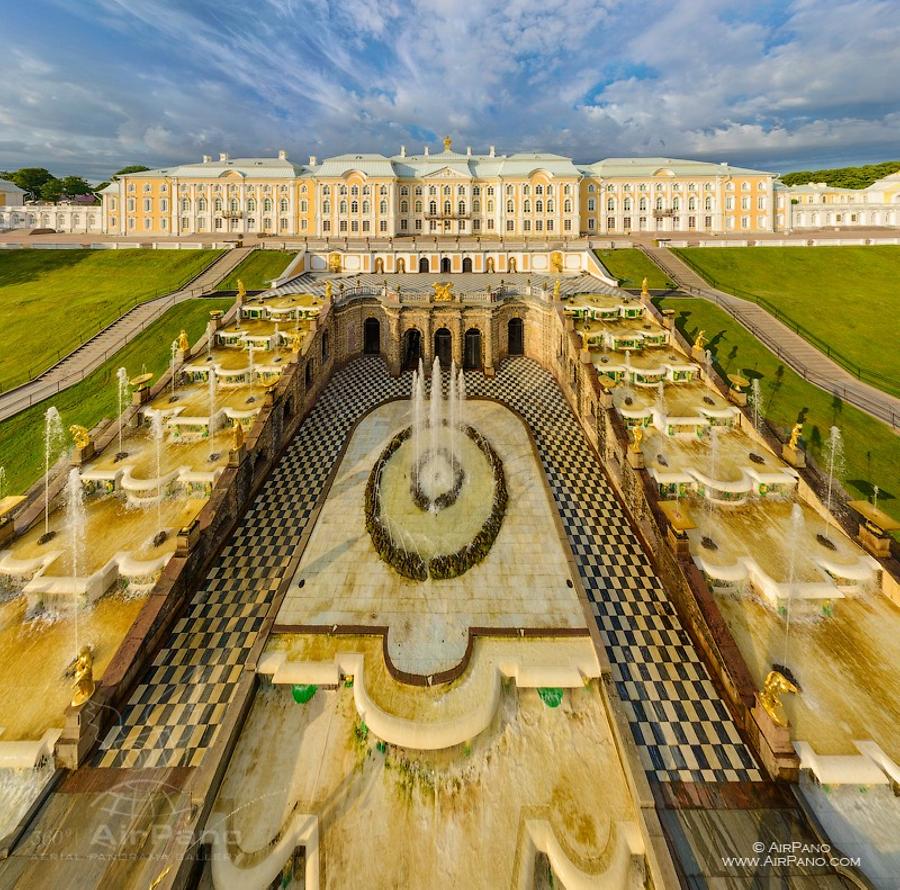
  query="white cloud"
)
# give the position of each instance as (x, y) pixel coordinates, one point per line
(705, 77)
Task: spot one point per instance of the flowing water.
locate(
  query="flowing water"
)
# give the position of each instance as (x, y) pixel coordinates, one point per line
(158, 431)
(793, 544)
(54, 437)
(174, 353)
(122, 397)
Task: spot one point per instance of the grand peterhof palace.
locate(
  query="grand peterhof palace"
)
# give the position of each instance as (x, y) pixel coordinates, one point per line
(450, 193)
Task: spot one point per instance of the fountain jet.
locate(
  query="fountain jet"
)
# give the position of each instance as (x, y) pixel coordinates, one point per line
(53, 439)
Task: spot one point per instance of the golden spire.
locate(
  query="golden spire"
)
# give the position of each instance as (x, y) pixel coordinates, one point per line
(448, 143)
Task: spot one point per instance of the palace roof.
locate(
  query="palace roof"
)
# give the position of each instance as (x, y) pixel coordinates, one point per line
(268, 168)
(610, 167)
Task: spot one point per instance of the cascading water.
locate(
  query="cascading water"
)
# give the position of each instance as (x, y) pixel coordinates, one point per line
(434, 407)
(157, 430)
(76, 522)
(174, 351)
(755, 403)
(2, 483)
(461, 399)
(54, 436)
(212, 413)
(834, 452)
(277, 339)
(714, 432)
(251, 371)
(122, 397)
(661, 404)
(210, 338)
(793, 542)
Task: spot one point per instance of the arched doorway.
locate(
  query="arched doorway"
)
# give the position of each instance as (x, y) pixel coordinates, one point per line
(423, 265)
(371, 336)
(467, 264)
(443, 346)
(515, 336)
(472, 349)
(445, 265)
(412, 349)
(401, 264)
(379, 266)
(511, 264)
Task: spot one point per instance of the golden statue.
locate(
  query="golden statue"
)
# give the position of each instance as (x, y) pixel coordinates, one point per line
(700, 340)
(84, 677)
(183, 343)
(556, 261)
(645, 290)
(296, 341)
(775, 685)
(443, 291)
(241, 291)
(638, 433)
(237, 437)
(448, 143)
(584, 341)
(401, 264)
(328, 290)
(795, 435)
(556, 289)
(80, 436)
(334, 262)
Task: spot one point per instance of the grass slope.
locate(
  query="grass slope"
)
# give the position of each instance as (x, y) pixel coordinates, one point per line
(871, 449)
(630, 266)
(88, 402)
(846, 296)
(258, 269)
(51, 301)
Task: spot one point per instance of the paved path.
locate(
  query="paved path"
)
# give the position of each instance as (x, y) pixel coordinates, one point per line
(90, 355)
(682, 729)
(793, 349)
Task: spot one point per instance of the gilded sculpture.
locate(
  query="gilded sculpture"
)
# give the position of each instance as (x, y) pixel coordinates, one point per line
(645, 289)
(700, 340)
(83, 672)
(556, 261)
(556, 289)
(296, 341)
(80, 436)
(638, 433)
(329, 289)
(241, 291)
(775, 685)
(795, 435)
(443, 291)
(448, 143)
(183, 342)
(334, 262)
(237, 437)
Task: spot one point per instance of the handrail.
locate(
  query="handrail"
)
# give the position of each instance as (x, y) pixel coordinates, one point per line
(876, 409)
(875, 377)
(87, 334)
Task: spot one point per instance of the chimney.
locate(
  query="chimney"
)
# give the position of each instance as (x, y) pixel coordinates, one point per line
(207, 159)
(312, 161)
(468, 151)
(426, 151)
(402, 151)
(492, 152)
(282, 154)
(223, 156)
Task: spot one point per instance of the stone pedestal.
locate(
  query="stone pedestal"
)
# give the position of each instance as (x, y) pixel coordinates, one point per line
(584, 356)
(80, 455)
(7, 531)
(181, 356)
(236, 455)
(489, 371)
(140, 395)
(605, 399)
(668, 319)
(698, 354)
(738, 397)
(187, 538)
(874, 540)
(635, 459)
(679, 543)
(80, 731)
(774, 746)
(793, 456)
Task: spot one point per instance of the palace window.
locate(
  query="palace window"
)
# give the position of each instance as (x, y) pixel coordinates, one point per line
(745, 186)
(342, 208)
(610, 222)
(326, 207)
(526, 208)
(461, 208)
(626, 222)
(509, 207)
(418, 225)
(432, 208)
(267, 205)
(304, 206)
(626, 187)
(729, 203)
(550, 189)
(185, 222)
(707, 221)
(526, 189)
(446, 208)
(404, 190)
(490, 224)
(509, 225)
(282, 223)
(760, 203)
(130, 186)
(707, 187)
(460, 190)
(642, 187)
(447, 190)
(550, 206)
(343, 225)
(365, 190)
(366, 207)
(549, 225)
(382, 207)
(354, 191)
(432, 190)
(218, 222)
(509, 190)
(692, 203)
(185, 205)
(418, 190)
(233, 205)
(476, 189)
(201, 205)
(692, 222)
(539, 225)
(627, 204)
(383, 190)
(539, 189)
(659, 204)
(567, 225)
(490, 206)
(354, 206)
(745, 203)
(611, 205)
(538, 206)
(326, 189)
(382, 225)
(643, 204)
(490, 191)
(590, 187)
(343, 190)
(590, 205)
(527, 225)
(404, 206)
(218, 205)
(283, 205)
(707, 204)
(418, 206)
(326, 226)
(476, 206)
(148, 187)
(659, 187)
(267, 223)
(676, 204)
(676, 186)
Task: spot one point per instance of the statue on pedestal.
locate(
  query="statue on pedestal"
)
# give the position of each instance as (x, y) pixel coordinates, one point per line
(795, 435)
(83, 672)
(775, 685)
(183, 342)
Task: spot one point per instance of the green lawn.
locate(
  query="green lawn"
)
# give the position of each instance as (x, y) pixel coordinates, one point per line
(259, 269)
(872, 450)
(95, 397)
(631, 266)
(51, 301)
(848, 297)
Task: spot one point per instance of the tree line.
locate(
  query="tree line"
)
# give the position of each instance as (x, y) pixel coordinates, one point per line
(39, 184)
(843, 177)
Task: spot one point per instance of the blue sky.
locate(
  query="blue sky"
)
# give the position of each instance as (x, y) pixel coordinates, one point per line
(92, 85)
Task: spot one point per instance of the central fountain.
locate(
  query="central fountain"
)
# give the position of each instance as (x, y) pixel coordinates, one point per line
(436, 496)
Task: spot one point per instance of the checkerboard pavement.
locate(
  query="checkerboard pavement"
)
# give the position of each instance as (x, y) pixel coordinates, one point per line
(681, 727)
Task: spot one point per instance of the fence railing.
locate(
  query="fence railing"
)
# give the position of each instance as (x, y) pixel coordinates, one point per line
(85, 335)
(882, 381)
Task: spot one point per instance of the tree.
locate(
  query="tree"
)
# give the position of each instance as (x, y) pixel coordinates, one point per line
(31, 180)
(134, 168)
(52, 190)
(76, 185)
